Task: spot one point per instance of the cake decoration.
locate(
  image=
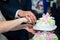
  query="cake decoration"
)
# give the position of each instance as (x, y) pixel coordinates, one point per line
(45, 36)
(45, 23)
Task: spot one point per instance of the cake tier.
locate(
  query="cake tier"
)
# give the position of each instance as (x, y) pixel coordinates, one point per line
(44, 27)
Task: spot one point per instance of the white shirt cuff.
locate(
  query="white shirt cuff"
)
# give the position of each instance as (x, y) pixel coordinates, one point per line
(16, 15)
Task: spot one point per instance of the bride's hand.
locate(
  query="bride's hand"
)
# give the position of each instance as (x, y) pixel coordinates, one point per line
(29, 28)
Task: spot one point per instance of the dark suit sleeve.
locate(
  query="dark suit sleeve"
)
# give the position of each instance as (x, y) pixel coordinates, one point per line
(28, 5)
(8, 11)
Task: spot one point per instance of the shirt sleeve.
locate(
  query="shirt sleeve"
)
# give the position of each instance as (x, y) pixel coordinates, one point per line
(16, 15)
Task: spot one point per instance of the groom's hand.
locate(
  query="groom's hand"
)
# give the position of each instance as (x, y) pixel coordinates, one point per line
(29, 15)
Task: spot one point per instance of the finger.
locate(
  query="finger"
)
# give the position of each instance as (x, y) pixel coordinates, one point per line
(29, 20)
(30, 17)
(30, 30)
(33, 18)
(29, 25)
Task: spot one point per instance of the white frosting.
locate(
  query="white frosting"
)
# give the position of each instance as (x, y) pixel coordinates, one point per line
(46, 23)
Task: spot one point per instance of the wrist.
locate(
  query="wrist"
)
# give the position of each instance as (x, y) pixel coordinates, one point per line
(20, 12)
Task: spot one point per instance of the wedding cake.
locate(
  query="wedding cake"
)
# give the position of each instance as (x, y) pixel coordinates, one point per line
(45, 23)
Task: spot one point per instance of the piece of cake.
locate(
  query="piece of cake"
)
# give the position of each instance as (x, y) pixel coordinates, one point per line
(45, 23)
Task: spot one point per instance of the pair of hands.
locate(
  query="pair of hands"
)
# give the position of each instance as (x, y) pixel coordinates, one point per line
(28, 15)
(31, 20)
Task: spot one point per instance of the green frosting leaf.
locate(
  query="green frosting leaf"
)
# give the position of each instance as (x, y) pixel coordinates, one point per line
(41, 38)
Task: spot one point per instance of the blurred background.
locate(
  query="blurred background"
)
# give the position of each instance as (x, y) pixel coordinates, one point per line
(42, 6)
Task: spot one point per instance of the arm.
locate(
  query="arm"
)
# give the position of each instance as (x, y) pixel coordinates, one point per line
(8, 25)
(22, 26)
(11, 7)
(27, 27)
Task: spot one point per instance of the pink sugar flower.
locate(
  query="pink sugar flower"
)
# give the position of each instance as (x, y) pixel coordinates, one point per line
(48, 38)
(38, 34)
(46, 17)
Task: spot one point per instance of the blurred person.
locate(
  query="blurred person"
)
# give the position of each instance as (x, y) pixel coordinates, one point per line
(39, 7)
(55, 10)
(12, 9)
